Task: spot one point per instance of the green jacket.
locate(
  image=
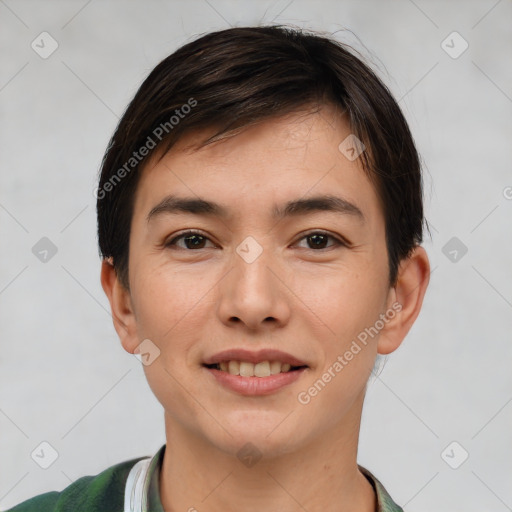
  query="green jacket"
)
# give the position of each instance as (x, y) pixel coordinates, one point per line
(105, 492)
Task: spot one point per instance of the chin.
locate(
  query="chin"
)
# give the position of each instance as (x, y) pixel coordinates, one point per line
(265, 434)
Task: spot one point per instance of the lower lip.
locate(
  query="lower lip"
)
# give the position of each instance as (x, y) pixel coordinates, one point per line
(252, 386)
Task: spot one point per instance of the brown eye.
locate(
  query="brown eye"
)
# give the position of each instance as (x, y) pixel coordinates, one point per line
(318, 240)
(191, 239)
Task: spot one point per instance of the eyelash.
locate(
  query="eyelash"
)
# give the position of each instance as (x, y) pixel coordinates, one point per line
(338, 242)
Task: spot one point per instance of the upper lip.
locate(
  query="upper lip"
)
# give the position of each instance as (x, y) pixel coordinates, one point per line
(254, 356)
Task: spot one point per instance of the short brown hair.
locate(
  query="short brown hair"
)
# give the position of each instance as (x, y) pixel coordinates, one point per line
(233, 78)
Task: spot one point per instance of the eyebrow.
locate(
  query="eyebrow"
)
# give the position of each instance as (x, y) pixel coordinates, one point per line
(174, 205)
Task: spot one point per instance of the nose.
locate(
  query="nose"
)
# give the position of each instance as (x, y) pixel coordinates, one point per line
(254, 292)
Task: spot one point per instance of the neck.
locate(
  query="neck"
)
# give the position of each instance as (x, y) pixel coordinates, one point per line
(320, 475)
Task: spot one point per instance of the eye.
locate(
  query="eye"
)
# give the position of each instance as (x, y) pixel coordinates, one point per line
(318, 239)
(195, 240)
(191, 239)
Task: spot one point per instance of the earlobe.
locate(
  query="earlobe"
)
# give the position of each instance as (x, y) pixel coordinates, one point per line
(408, 294)
(120, 306)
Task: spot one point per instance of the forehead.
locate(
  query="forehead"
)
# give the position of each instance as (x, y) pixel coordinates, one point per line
(261, 168)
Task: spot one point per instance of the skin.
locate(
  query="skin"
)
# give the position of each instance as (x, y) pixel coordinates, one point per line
(312, 303)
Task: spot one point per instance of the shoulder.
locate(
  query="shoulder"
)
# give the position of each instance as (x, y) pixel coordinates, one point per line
(384, 501)
(104, 491)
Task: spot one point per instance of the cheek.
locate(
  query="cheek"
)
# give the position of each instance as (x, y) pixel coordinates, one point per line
(164, 297)
(349, 307)
(168, 306)
(166, 383)
(352, 297)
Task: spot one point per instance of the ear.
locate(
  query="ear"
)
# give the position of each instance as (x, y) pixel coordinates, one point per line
(120, 305)
(407, 297)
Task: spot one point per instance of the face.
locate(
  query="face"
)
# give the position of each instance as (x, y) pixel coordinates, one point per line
(305, 283)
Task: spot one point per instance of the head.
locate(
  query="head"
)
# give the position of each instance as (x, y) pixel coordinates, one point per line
(274, 126)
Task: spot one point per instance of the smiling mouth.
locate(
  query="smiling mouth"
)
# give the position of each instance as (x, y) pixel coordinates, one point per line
(247, 369)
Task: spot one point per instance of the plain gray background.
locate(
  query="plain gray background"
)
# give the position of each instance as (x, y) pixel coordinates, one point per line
(64, 377)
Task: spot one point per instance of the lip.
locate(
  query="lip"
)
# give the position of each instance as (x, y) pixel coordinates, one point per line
(254, 357)
(253, 386)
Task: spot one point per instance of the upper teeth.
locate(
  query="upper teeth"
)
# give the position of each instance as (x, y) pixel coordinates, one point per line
(245, 369)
